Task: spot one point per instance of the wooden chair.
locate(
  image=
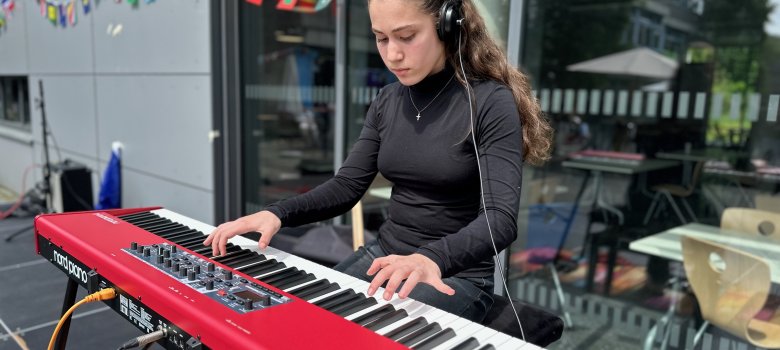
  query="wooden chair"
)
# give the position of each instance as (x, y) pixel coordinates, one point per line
(731, 286)
(752, 221)
(672, 191)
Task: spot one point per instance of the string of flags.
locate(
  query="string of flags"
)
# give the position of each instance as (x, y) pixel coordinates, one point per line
(64, 13)
(6, 10)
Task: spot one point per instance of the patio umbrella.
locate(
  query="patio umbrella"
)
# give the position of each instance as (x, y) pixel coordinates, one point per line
(638, 62)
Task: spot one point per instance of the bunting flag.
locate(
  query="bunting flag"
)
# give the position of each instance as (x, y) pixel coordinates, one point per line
(63, 15)
(288, 5)
(87, 5)
(42, 4)
(2, 19)
(51, 13)
(71, 10)
(255, 2)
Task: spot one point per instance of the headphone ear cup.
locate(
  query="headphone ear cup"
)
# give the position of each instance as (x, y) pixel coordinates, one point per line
(449, 15)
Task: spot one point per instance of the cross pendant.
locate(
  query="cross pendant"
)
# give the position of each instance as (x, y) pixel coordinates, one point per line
(418, 117)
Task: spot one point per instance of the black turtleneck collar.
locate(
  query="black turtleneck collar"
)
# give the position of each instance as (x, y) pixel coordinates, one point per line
(434, 82)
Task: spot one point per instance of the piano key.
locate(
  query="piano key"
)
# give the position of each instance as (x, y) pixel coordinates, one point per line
(470, 336)
(272, 277)
(272, 266)
(173, 231)
(297, 281)
(314, 293)
(435, 340)
(247, 269)
(488, 347)
(160, 226)
(155, 223)
(349, 309)
(144, 220)
(246, 261)
(388, 319)
(420, 334)
(283, 278)
(470, 343)
(335, 298)
(407, 328)
(135, 215)
(302, 290)
(228, 256)
(193, 241)
(375, 314)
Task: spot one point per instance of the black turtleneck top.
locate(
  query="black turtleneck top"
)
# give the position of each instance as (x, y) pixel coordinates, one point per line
(435, 207)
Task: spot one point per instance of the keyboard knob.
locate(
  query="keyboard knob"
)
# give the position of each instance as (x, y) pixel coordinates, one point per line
(133, 245)
(183, 271)
(167, 262)
(196, 268)
(173, 249)
(191, 275)
(228, 274)
(160, 259)
(175, 267)
(167, 253)
(139, 248)
(209, 285)
(248, 304)
(210, 267)
(147, 252)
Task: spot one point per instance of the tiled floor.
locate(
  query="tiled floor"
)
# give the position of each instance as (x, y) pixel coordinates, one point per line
(31, 294)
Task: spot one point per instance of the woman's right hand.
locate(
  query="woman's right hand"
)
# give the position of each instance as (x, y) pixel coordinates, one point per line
(264, 222)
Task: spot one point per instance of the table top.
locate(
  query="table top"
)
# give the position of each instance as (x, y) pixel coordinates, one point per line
(620, 166)
(667, 244)
(702, 154)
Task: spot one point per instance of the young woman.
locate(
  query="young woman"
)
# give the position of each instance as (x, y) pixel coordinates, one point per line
(448, 213)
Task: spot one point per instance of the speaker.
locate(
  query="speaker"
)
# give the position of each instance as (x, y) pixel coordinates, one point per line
(449, 15)
(71, 187)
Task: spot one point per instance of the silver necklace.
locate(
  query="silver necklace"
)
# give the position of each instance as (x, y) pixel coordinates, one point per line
(429, 103)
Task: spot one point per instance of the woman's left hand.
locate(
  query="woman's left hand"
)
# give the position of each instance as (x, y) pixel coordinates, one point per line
(413, 268)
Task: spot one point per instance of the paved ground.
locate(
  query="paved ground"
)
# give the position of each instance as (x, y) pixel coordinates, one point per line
(31, 294)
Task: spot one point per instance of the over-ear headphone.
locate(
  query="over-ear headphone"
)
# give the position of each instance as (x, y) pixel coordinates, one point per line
(449, 19)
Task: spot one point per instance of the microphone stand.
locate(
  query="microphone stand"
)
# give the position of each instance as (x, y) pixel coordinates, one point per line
(46, 166)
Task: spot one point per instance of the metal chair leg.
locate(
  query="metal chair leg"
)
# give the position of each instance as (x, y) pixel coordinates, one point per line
(689, 210)
(561, 300)
(652, 208)
(675, 207)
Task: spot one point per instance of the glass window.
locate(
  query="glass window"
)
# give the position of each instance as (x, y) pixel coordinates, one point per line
(14, 103)
(666, 115)
(287, 58)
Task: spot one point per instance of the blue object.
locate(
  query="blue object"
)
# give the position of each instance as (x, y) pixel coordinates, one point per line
(110, 196)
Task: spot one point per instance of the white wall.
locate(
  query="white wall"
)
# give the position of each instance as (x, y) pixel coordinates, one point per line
(147, 85)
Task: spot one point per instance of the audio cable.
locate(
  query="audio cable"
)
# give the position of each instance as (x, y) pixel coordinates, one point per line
(103, 294)
(469, 91)
(146, 340)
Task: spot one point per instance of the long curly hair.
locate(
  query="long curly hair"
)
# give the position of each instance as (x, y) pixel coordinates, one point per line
(483, 59)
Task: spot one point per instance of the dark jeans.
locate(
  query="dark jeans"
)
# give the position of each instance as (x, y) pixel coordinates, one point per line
(473, 296)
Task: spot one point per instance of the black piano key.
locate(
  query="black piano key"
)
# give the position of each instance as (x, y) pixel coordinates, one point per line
(174, 231)
(335, 298)
(243, 261)
(179, 234)
(351, 308)
(231, 255)
(162, 227)
(336, 304)
(332, 287)
(207, 251)
(488, 347)
(387, 320)
(189, 240)
(137, 216)
(253, 265)
(468, 344)
(374, 315)
(407, 328)
(142, 221)
(134, 215)
(284, 277)
(153, 224)
(435, 340)
(295, 281)
(261, 270)
(420, 334)
(276, 276)
(309, 287)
